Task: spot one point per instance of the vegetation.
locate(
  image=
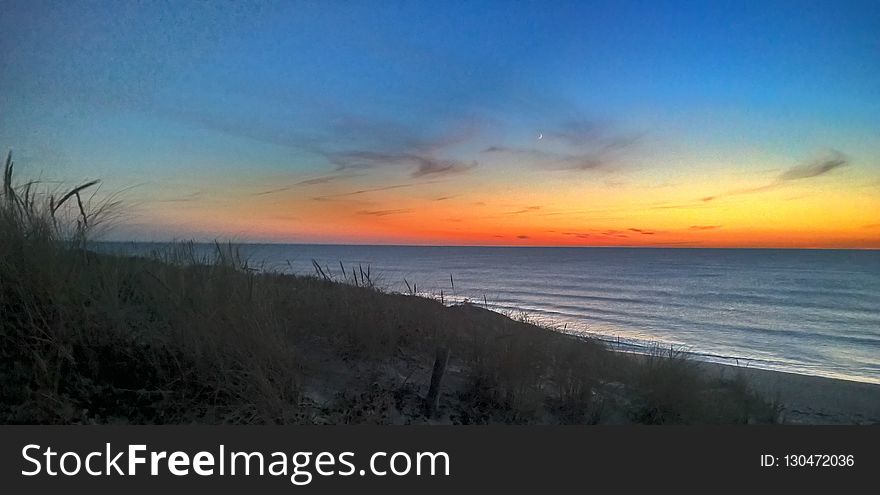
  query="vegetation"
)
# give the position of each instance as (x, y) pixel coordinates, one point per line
(180, 338)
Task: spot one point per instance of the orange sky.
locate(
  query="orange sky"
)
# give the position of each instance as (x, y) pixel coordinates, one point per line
(807, 208)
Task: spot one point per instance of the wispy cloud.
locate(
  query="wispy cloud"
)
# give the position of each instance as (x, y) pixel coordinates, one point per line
(371, 189)
(420, 164)
(552, 160)
(432, 167)
(527, 209)
(700, 203)
(376, 189)
(832, 160)
(582, 154)
(704, 227)
(372, 143)
(273, 191)
(324, 179)
(580, 235)
(398, 146)
(382, 213)
(642, 231)
(307, 182)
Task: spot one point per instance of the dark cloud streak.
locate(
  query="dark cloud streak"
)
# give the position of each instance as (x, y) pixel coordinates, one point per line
(833, 160)
(382, 213)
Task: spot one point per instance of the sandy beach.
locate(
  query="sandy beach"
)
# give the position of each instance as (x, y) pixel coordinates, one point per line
(810, 399)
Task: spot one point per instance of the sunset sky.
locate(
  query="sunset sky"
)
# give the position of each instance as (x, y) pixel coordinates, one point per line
(741, 124)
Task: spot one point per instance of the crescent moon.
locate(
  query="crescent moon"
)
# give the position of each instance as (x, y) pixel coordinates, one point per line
(540, 135)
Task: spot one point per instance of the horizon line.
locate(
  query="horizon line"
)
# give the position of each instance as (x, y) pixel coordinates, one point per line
(278, 243)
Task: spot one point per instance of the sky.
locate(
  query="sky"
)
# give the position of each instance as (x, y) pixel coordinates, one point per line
(681, 124)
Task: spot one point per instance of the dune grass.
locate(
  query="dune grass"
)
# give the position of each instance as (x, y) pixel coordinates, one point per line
(176, 337)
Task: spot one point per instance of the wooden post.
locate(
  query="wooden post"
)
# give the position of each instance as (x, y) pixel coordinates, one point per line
(440, 361)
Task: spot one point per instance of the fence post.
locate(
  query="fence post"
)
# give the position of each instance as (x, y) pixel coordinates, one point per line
(440, 361)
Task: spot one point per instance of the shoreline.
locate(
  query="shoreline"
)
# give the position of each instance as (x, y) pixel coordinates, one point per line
(806, 399)
(641, 348)
(809, 399)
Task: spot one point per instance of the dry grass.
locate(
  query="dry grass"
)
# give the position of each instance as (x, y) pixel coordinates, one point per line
(177, 337)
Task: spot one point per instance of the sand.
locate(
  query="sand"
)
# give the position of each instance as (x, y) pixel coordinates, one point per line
(810, 399)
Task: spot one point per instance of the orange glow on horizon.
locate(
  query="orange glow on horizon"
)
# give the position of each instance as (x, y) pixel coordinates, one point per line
(551, 211)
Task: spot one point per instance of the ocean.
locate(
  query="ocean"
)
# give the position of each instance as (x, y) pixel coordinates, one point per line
(814, 312)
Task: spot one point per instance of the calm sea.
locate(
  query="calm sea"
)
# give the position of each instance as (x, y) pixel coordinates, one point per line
(813, 312)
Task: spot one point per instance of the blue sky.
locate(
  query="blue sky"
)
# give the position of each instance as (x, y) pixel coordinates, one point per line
(181, 97)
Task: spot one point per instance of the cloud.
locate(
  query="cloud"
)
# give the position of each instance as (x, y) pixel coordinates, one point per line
(833, 160)
(429, 166)
(324, 179)
(701, 203)
(583, 133)
(373, 142)
(339, 195)
(704, 227)
(552, 160)
(399, 146)
(641, 231)
(375, 189)
(421, 164)
(527, 209)
(382, 213)
(581, 155)
(369, 190)
(273, 191)
(581, 235)
(522, 237)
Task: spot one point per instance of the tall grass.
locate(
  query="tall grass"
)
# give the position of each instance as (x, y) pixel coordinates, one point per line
(88, 338)
(672, 390)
